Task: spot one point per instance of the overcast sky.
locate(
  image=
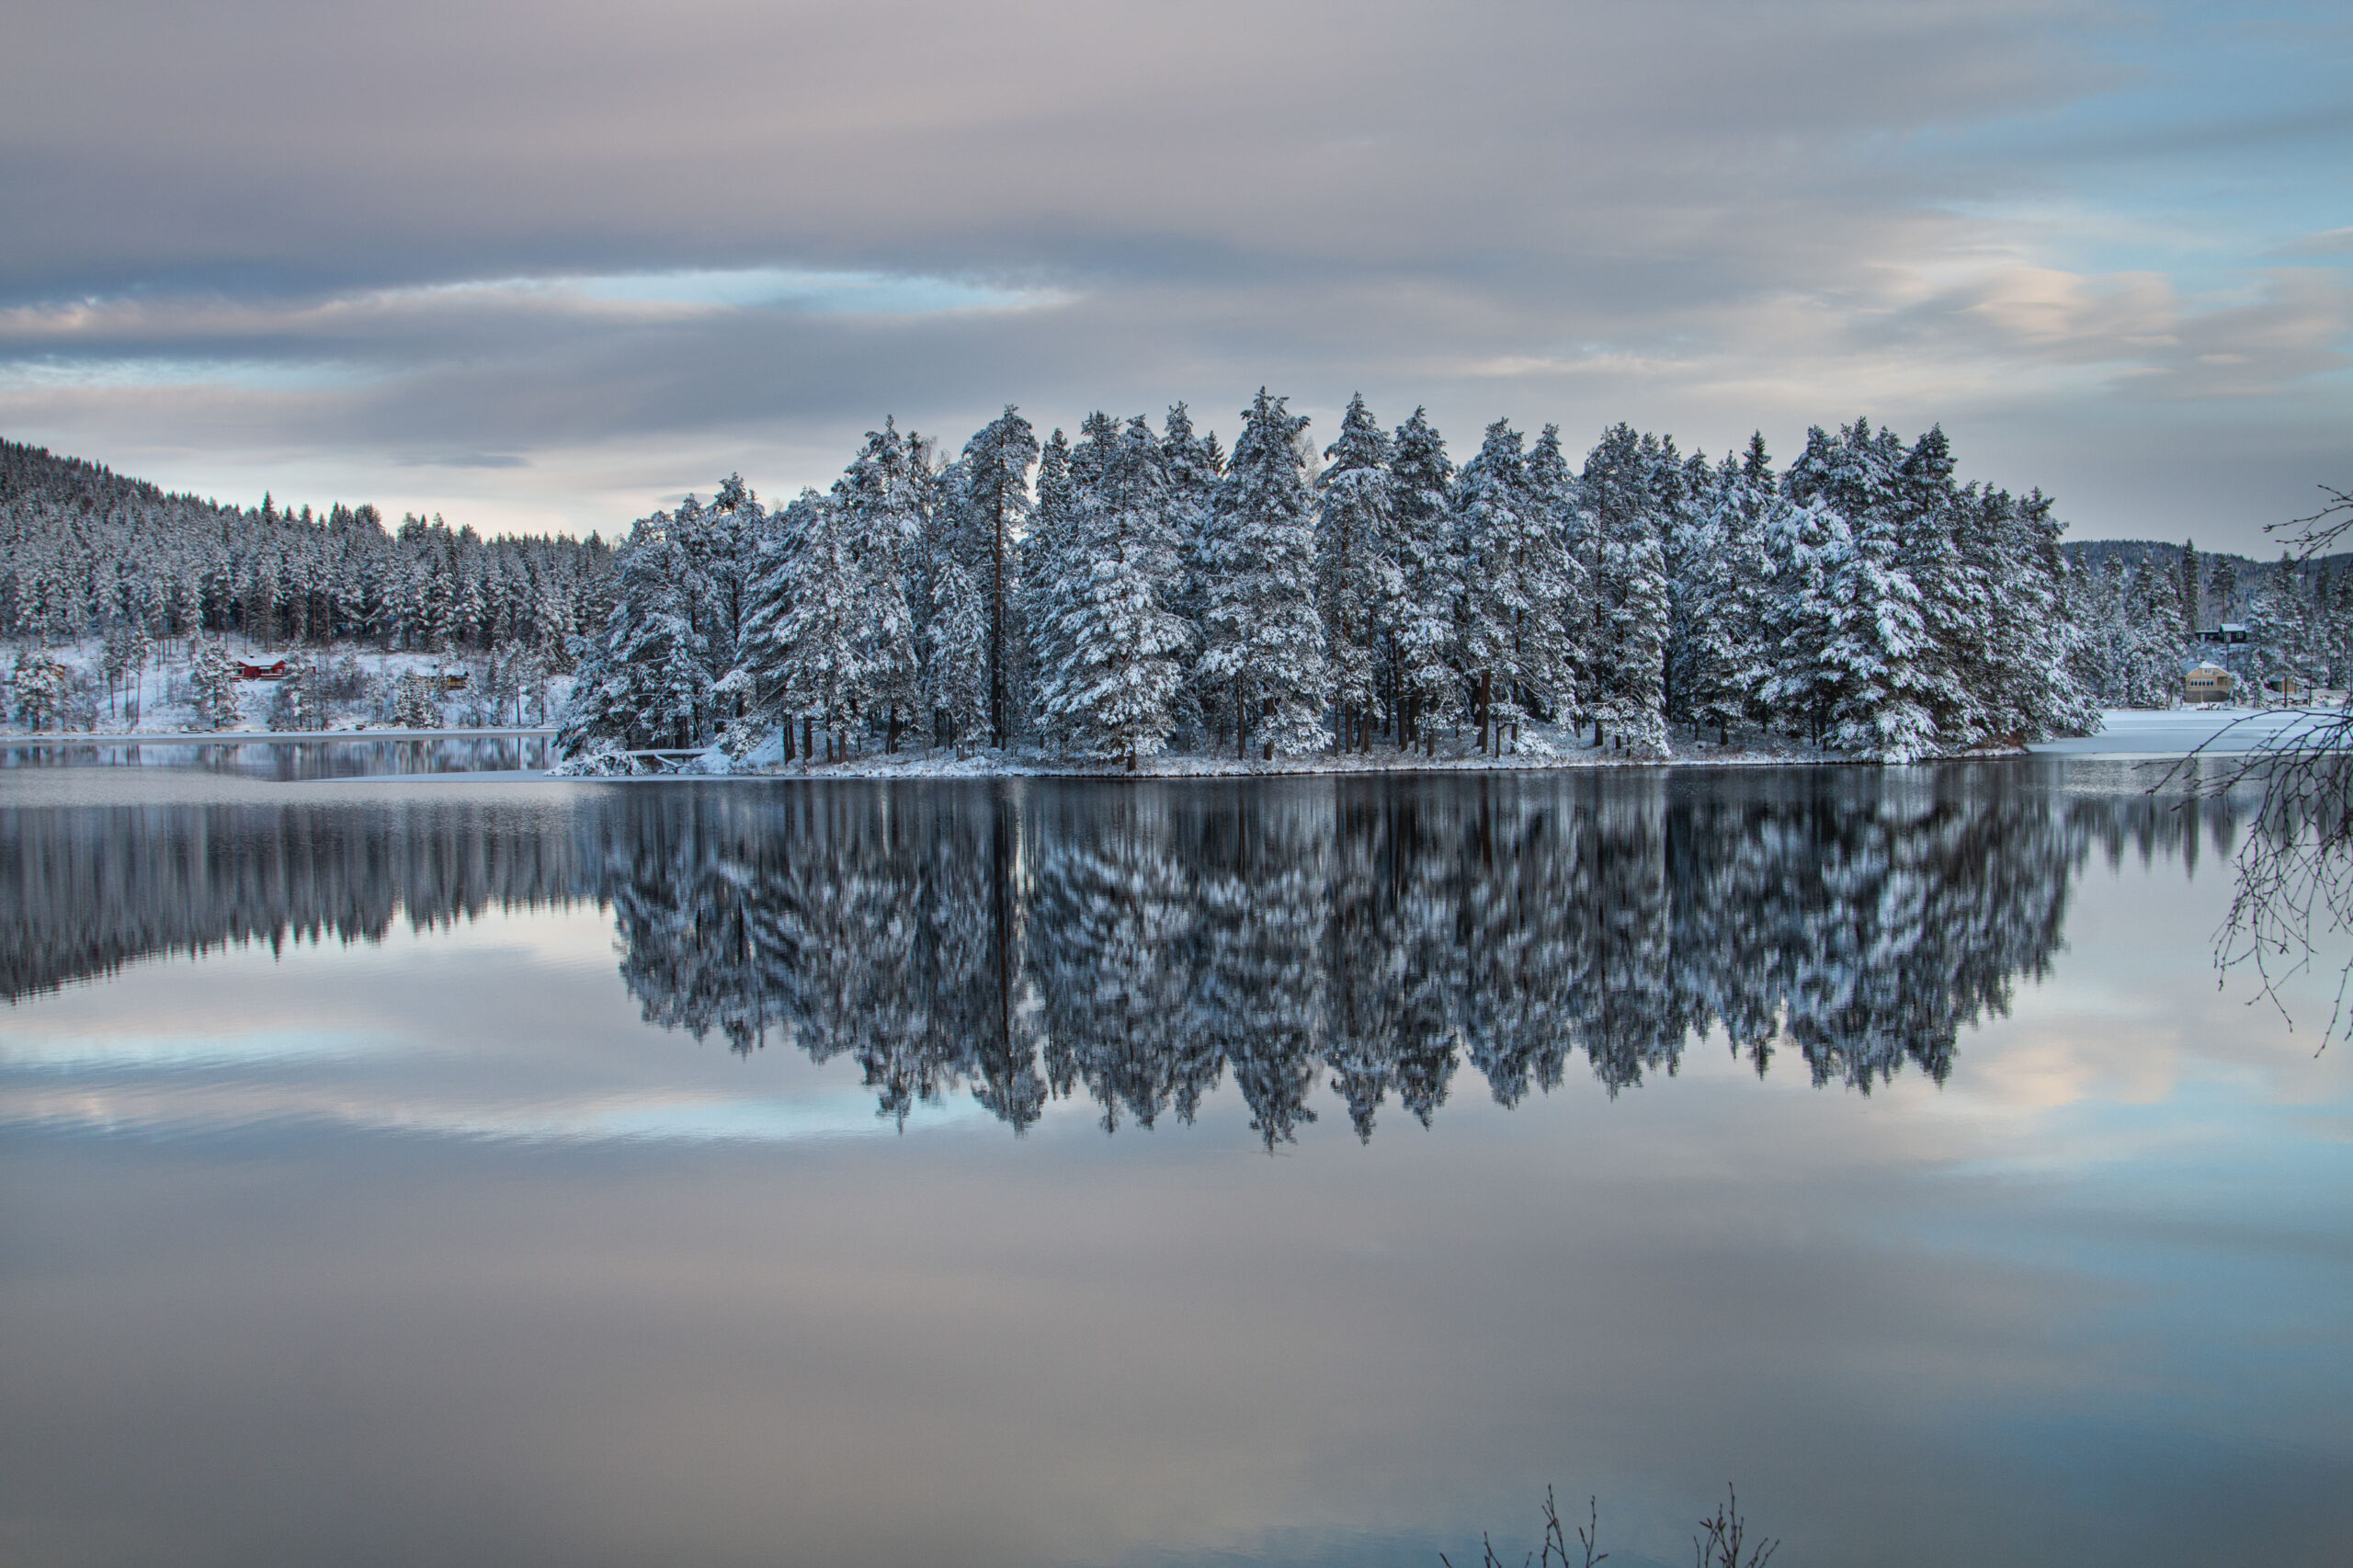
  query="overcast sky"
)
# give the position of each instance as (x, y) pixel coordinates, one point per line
(552, 264)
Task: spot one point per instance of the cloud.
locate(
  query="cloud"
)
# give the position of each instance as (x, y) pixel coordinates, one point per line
(743, 232)
(471, 460)
(2331, 242)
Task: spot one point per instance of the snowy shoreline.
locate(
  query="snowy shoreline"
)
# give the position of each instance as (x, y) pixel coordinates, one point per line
(62, 738)
(2128, 735)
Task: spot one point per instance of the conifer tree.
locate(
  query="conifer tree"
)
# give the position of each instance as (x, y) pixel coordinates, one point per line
(1878, 693)
(212, 687)
(961, 659)
(877, 500)
(1261, 634)
(1192, 465)
(1112, 692)
(1357, 582)
(1956, 664)
(993, 489)
(1422, 484)
(1509, 617)
(1621, 487)
(1048, 567)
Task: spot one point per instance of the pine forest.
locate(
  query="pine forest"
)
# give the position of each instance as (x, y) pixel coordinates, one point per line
(1142, 591)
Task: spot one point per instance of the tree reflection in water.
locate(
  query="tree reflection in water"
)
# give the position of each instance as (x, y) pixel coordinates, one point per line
(1139, 942)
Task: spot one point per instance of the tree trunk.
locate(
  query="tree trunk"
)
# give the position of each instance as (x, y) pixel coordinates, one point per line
(996, 622)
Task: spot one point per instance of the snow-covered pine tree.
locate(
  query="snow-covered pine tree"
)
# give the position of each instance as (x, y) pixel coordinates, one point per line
(1357, 579)
(879, 501)
(1958, 663)
(1705, 584)
(1111, 693)
(2279, 622)
(1879, 693)
(212, 686)
(1193, 465)
(645, 678)
(994, 490)
(297, 704)
(722, 546)
(1421, 482)
(1263, 638)
(2222, 589)
(813, 665)
(1563, 585)
(1047, 573)
(37, 691)
(2153, 642)
(1621, 487)
(960, 663)
(1801, 543)
(1752, 501)
(2034, 687)
(1508, 619)
(1489, 504)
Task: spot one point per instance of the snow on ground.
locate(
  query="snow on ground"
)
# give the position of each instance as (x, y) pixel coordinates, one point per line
(1540, 747)
(161, 698)
(2140, 732)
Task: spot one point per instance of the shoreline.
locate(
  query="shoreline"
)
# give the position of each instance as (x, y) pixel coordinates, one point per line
(54, 738)
(1323, 765)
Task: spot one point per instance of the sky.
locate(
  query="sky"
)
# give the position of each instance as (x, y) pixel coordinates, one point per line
(550, 265)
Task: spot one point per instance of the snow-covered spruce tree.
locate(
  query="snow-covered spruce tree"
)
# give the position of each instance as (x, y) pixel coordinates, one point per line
(2281, 635)
(816, 670)
(1046, 572)
(723, 545)
(1621, 489)
(1263, 639)
(960, 663)
(1111, 693)
(1489, 505)
(1715, 596)
(2034, 687)
(1555, 501)
(38, 689)
(1356, 581)
(645, 681)
(879, 499)
(297, 704)
(1508, 619)
(1958, 666)
(212, 686)
(1069, 485)
(1421, 478)
(1801, 542)
(992, 490)
(1192, 465)
(1879, 693)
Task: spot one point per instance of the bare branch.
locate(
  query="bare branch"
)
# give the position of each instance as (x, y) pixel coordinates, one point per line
(2313, 535)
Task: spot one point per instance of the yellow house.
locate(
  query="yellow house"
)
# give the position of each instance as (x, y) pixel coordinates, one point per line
(2208, 682)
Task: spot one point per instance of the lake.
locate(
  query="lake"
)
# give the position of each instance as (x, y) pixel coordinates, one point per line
(1301, 1171)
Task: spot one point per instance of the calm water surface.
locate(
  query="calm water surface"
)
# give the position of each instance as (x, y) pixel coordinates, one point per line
(1301, 1172)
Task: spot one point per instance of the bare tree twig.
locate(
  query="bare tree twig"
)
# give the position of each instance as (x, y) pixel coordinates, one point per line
(2294, 886)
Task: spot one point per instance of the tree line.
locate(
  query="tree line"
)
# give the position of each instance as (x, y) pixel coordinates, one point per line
(1136, 590)
(88, 553)
(2147, 609)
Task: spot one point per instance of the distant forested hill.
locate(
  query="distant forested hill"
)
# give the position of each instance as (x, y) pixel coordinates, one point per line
(83, 549)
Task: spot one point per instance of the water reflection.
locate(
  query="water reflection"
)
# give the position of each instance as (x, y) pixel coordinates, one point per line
(283, 761)
(1138, 944)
